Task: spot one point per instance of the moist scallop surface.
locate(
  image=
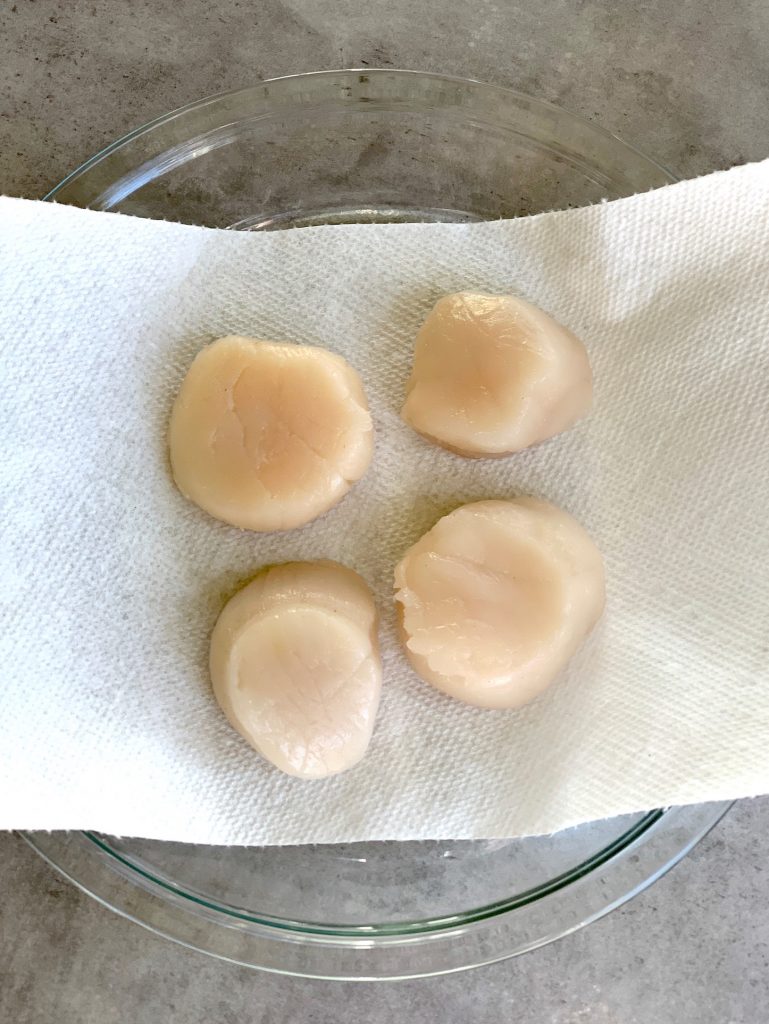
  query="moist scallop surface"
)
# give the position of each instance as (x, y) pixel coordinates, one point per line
(496, 598)
(268, 436)
(493, 374)
(295, 666)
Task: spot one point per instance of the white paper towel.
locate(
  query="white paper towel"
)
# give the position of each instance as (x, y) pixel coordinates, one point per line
(111, 581)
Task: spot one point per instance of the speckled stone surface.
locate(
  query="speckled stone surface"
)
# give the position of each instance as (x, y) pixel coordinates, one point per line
(689, 84)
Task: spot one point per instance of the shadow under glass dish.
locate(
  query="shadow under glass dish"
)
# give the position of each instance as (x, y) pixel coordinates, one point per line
(349, 147)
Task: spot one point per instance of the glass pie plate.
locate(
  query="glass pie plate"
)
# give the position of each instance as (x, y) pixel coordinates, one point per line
(342, 147)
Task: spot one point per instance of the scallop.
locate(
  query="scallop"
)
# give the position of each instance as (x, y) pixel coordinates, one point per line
(493, 374)
(295, 666)
(496, 598)
(268, 436)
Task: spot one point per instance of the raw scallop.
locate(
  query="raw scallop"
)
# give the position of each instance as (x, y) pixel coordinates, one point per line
(295, 666)
(496, 598)
(268, 436)
(493, 374)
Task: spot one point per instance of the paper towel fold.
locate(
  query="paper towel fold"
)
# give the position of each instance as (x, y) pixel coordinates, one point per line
(111, 581)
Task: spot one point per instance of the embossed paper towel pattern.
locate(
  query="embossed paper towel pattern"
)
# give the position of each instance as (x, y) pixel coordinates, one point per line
(111, 581)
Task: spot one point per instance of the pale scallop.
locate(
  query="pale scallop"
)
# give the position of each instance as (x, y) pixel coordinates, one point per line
(493, 374)
(295, 666)
(496, 598)
(268, 436)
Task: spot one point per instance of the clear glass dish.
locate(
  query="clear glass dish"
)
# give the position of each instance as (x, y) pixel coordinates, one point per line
(341, 147)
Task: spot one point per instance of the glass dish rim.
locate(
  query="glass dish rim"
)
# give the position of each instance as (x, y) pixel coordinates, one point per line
(416, 926)
(388, 957)
(329, 74)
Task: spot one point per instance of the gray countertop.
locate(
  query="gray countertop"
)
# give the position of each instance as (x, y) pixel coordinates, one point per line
(689, 84)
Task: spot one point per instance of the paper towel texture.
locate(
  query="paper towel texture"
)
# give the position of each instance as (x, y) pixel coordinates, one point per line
(111, 581)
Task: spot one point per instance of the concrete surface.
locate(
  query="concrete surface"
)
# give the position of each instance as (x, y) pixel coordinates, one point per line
(693, 949)
(687, 82)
